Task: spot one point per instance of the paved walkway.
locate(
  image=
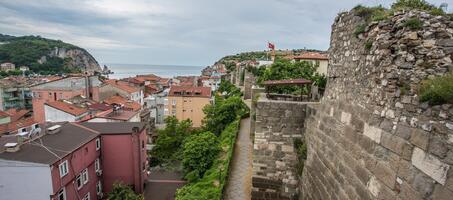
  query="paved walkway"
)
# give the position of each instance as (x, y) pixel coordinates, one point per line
(239, 186)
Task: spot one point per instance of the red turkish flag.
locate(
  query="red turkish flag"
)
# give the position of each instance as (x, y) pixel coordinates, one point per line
(270, 46)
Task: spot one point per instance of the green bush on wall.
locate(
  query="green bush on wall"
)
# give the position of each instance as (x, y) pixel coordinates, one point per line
(438, 90)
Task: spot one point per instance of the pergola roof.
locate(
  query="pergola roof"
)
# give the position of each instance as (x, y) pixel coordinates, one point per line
(287, 82)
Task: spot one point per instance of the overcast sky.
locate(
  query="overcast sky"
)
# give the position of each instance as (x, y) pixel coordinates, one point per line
(180, 32)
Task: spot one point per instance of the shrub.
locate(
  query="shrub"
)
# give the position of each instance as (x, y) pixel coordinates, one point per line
(211, 185)
(359, 30)
(123, 192)
(170, 141)
(199, 152)
(222, 113)
(413, 24)
(438, 90)
(368, 45)
(376, 13)
(301, 150)
(415, 4)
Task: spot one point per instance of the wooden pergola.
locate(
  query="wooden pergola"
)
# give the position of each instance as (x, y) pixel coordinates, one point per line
(290, 82)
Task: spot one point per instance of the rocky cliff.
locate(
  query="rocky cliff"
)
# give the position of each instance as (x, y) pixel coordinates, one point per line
(372, 137)
(79, 58)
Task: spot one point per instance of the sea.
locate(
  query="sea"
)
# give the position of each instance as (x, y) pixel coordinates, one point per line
(166, 71)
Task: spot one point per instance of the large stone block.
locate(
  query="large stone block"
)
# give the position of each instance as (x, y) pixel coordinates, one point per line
(397, 145)
(430, 165)
(420, 138)
(385, 174)
(372, 132)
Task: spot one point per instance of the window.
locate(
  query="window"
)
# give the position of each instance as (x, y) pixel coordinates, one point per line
(173, 102)
(173, 112)
(143, 144)
(35, 126)
(166, 111)
(98, 144)
(63, 168)
(85, 176)
(165, 101)
(79, 182)
(61, 195)
(99, 187)
(86, 197)
(97, 165)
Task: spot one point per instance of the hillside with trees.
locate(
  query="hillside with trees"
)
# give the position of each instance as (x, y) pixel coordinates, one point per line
(45, 56)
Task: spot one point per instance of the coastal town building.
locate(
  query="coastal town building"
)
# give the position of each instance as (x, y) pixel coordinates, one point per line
(73, 161)
(65, 88)
(57, 111)
(209, 81)
(7, 66)
(114, 87)
(15, 121)
(187, 103)
(155, 103)
(15, 92)
(315, 58)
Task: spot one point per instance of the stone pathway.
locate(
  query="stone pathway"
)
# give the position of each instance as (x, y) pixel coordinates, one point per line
(239, 186)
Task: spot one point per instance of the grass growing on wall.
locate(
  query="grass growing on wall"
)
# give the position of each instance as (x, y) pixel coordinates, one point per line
(438, 90)
(210, 186)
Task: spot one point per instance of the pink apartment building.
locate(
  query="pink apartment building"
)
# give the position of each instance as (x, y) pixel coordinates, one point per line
(65, 88)
(74, 161)
(123, 152)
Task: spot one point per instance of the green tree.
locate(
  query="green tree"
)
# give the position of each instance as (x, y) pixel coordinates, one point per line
(200, 150)
(171, 139)
(222, 113)
(123, 192)
(228, 89)
(284, 69)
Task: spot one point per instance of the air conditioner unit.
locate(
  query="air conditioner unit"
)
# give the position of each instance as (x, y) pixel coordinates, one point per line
(99, 173)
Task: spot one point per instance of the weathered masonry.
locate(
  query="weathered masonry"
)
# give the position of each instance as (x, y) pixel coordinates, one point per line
(371, 137)
(278, 124)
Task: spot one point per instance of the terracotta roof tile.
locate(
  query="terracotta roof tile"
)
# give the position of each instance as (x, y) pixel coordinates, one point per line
(122, 85)
(312, 56)
(123, 101)
(68, 108)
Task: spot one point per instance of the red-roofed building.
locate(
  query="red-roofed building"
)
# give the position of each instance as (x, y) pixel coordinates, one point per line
(187, 103)
(64, 88)
(114, 87)
(127, 104)
(58, 111)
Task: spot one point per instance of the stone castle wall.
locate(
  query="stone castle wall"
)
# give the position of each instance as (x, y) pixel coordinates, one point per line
(371, 137)
(277, 124)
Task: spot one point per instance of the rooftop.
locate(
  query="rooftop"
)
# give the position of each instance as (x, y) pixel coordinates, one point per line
(68, 83)
(128, 104)
(190, 91)
(311, 56)
(122, 85)
(68, 108)
(114, 127)
(52, 147)
(15, 125)
(122, 115)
